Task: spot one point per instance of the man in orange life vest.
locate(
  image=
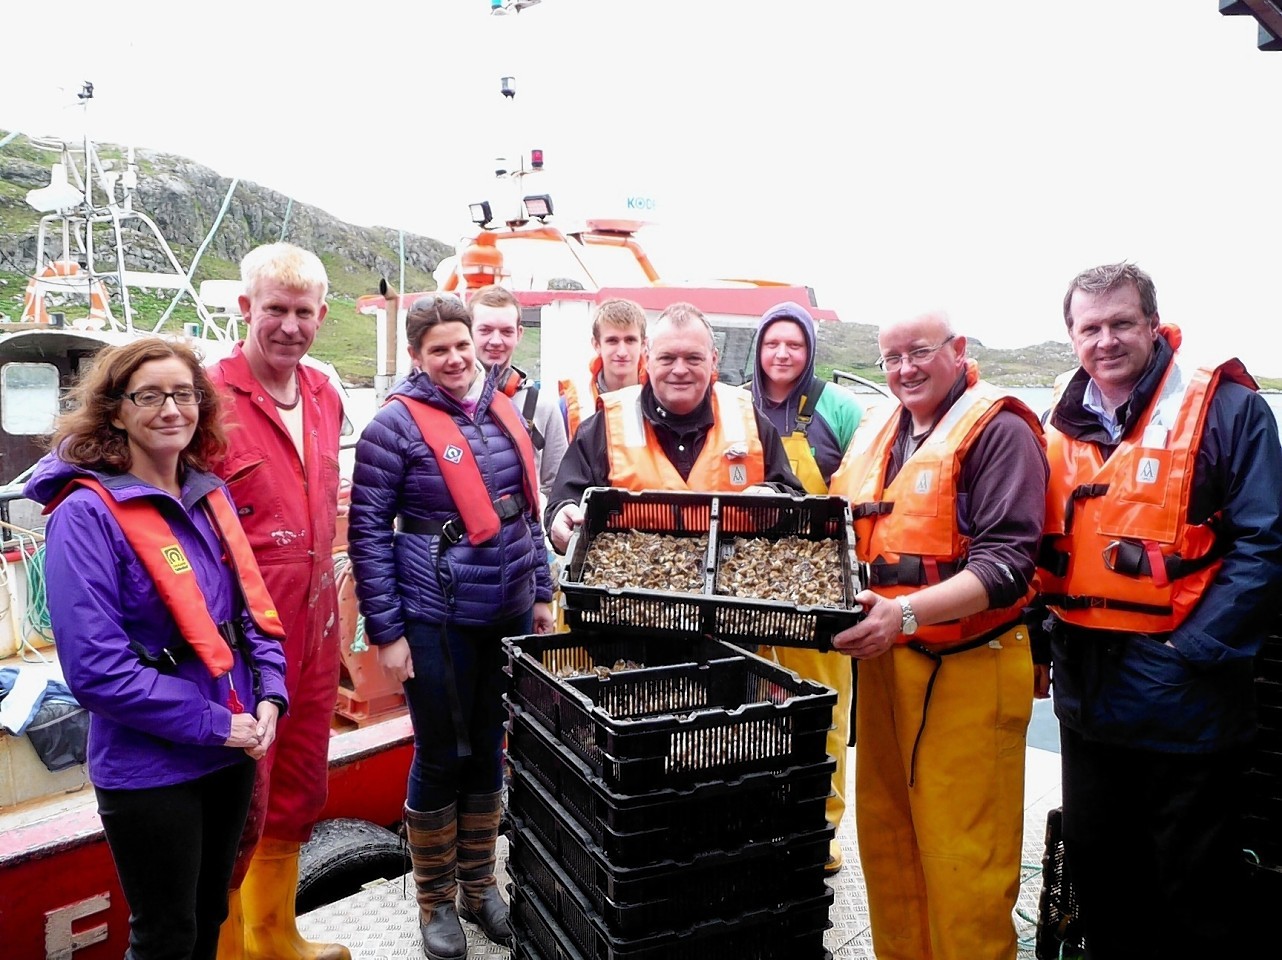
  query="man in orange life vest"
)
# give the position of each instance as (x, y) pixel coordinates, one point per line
(618, 343)
(1163, 547)
(947, 492)
(496, 330)
(282, 469)
(678, 431)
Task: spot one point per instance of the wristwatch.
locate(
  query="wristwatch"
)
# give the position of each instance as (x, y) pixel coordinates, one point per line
(908, 626)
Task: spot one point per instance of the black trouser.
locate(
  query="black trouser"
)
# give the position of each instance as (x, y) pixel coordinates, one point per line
(174, 848)
(1152, 845)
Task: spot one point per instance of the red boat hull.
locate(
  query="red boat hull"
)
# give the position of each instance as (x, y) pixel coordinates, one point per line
(61, 896)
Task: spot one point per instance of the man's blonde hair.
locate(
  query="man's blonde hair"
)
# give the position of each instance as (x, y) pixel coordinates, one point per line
(285, 264)
(620, 314)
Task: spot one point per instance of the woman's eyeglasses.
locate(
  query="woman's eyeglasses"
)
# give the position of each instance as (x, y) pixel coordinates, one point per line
(183, 397)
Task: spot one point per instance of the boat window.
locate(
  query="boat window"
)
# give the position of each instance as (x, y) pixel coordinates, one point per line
(28, 398)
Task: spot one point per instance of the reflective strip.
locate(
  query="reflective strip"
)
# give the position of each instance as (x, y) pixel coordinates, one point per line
(1167, 409)
(734, 429)
(633, 422)
(869, 429)
(982, 392)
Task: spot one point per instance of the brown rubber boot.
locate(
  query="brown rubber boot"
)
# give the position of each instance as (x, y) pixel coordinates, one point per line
(432, 837)
(479, 899)
(267, 900)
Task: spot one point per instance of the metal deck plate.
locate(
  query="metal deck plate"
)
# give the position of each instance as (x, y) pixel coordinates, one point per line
(381, 922)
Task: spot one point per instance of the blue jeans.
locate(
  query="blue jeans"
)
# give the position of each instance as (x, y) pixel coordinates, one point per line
(439, 775)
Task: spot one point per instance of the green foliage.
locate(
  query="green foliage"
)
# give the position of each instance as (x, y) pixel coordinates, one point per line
(348, 340)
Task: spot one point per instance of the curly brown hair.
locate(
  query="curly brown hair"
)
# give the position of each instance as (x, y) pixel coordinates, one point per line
(85, 436)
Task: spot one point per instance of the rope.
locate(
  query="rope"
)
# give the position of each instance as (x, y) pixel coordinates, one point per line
(289, 207)
(36, 619)
(191, 272)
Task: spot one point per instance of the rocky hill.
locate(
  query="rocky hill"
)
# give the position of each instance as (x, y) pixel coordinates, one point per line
(184, 199)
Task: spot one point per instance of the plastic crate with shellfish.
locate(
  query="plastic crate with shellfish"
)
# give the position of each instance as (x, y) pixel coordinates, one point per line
(777, 569)
(635, 829)
(665, 726)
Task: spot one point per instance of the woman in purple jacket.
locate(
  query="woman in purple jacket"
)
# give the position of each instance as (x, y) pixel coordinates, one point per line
(165, 642)
(449, 558)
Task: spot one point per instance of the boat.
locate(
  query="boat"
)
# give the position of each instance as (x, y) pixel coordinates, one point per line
(62, 895)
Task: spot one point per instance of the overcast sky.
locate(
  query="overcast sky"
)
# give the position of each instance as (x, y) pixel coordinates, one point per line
(894, 156)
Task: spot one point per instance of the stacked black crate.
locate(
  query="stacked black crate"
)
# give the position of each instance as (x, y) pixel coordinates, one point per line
(672, 810)
(1263, 816)
(665, 811)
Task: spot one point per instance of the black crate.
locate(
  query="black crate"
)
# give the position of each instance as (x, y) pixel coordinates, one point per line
(643, 730)
(535, 660)
(667, 894)
(526, 950)
(777, 622)
(728, 516)
(635, 829)
(1059, 924)
(609, 509)
(793, 932)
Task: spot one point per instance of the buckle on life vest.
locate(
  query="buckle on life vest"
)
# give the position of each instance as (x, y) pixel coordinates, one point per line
(1109, 554)
(1127, 557)
(453, 530)
(510, 505)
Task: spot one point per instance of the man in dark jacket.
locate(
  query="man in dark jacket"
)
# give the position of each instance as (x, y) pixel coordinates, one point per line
(672, 417)
(1159, 465)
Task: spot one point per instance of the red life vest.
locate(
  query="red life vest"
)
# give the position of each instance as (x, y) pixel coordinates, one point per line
(151, 537)
(458, 466)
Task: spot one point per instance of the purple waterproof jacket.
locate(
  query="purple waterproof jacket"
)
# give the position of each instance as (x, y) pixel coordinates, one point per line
(147, 728)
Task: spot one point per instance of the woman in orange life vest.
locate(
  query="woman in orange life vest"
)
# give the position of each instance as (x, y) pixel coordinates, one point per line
(165, 634)
(448, 554)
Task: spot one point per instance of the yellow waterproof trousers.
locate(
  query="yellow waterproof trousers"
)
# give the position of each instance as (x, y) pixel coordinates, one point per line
(832, 670)
(941, 858)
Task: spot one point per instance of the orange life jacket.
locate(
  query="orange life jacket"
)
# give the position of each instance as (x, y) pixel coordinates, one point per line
(1119, 552)
(908, 532)
(458, 467)
(573, 393)
(574, 404)
(731, 460)
(151, 537)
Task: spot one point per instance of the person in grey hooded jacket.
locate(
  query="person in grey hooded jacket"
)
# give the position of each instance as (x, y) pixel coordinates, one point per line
(816, 421)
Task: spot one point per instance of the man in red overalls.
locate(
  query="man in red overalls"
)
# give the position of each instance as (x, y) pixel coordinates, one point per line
(282, 469)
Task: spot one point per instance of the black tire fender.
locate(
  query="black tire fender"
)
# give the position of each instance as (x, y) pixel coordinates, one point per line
(341, 857)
